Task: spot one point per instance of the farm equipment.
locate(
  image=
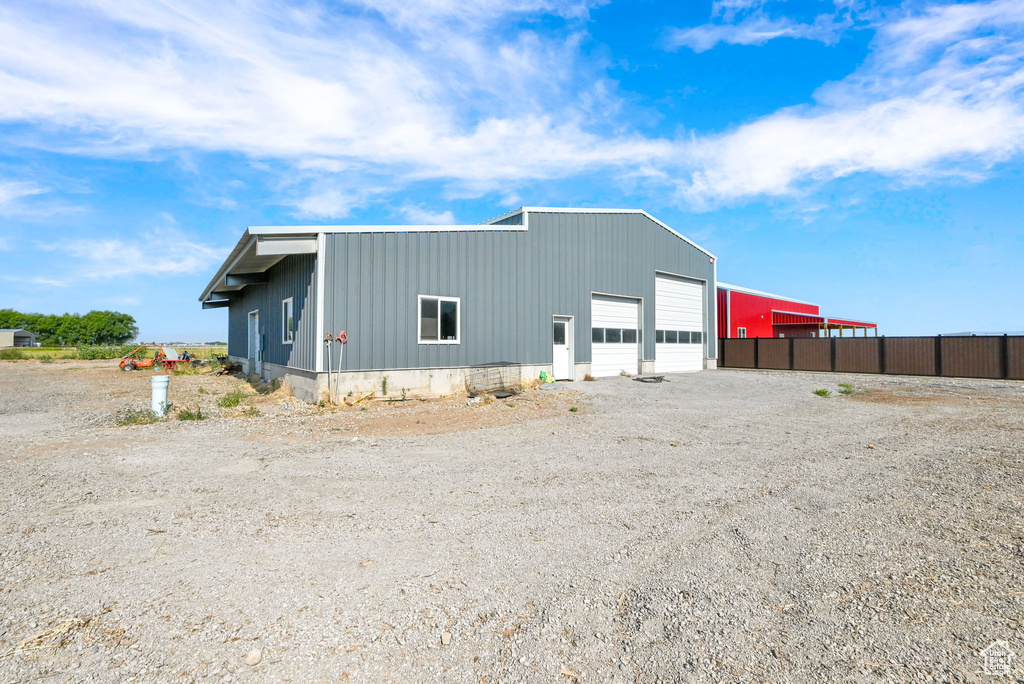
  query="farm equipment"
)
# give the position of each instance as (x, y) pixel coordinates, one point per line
(165, 357)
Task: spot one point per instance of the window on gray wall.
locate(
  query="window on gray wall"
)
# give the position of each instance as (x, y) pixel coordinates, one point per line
(439, 320)
(287, 321)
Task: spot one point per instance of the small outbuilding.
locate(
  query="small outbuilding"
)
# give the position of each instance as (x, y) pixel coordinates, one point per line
(567, 291)
(17, 337)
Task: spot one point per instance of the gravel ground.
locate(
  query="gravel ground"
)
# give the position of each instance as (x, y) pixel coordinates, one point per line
(724, 526)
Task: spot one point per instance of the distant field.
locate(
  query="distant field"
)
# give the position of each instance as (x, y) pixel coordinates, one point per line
(48, 352)
(199, 351)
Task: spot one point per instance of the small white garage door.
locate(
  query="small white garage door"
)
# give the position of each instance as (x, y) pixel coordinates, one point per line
(679, 325)
(615, 337)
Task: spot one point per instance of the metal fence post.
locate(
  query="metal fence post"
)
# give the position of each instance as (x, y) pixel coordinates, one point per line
(881, 355)
(757, 350)
(832, 353)
(938, 356)
(792, 354)
(1004, 357)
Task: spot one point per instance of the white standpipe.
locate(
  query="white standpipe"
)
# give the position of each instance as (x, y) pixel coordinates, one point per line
(159, 403)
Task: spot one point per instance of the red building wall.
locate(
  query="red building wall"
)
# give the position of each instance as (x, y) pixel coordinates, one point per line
(754, 312)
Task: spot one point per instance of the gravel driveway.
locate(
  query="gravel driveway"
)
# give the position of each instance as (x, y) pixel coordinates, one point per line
(722, 526)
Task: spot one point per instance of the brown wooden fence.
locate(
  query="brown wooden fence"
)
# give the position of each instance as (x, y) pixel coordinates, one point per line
(991, 356)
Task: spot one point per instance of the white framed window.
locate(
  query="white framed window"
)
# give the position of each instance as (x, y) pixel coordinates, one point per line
(741, 333)
(287, 321)
(440, 320)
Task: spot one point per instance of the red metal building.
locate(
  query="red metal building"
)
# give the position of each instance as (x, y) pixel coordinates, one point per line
(743, 312)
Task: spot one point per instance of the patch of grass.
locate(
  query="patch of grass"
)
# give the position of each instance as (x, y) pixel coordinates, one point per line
(203, 390)
(188, 413)
(45, 359)
(11, 355)
(574, 409)
(251, 412)
(231, 399)
(135, 417)
(104, 351)
(52, 352)
(384, 386)
(186, 369)
(405, 391)
(846, 388)
(823, 393)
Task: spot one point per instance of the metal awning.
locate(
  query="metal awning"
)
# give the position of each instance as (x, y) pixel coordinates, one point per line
(833, 323)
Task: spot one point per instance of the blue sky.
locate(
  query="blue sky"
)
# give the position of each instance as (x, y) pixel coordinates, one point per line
(866, 156)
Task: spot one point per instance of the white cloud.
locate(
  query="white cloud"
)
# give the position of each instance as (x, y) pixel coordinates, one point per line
(345, 108)
(420, 215)
(955, 111)
(307, 88)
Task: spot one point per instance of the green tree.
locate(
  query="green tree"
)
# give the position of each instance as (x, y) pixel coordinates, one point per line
(95, 327)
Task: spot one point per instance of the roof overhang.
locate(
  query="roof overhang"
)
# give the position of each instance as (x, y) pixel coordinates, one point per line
(257, 251)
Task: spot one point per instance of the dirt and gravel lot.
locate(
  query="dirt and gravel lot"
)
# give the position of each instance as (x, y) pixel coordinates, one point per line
(720, 527)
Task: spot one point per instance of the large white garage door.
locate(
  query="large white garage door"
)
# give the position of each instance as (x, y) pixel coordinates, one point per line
(679, 325)
(615, 325)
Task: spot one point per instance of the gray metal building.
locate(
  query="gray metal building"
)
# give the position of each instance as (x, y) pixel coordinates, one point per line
(568, 291)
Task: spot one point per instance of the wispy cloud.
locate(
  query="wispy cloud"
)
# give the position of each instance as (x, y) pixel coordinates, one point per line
(420, 215)
(755, 30)
(12, 191)
(94, 259)
(941, 95)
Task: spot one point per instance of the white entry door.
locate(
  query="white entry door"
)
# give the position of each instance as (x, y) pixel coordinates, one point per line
(678, 325)
(615, 335)
(562, 348)
(256, 363)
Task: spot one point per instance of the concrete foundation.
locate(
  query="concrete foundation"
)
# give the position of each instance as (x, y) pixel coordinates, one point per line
(313, 387)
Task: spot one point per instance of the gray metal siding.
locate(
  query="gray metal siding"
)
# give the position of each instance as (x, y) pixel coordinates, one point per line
(293, 277)
(510, 284)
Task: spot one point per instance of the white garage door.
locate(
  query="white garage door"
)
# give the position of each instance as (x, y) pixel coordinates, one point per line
(679, 325)
(615, 325)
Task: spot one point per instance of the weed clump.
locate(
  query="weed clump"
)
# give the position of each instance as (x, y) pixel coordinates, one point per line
(11, 355)
(823, 393)
(135, 417)
(188, 413)
(231, 399)
(846, 388)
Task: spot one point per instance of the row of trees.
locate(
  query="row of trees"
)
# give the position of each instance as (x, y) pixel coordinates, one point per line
(67, 330)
